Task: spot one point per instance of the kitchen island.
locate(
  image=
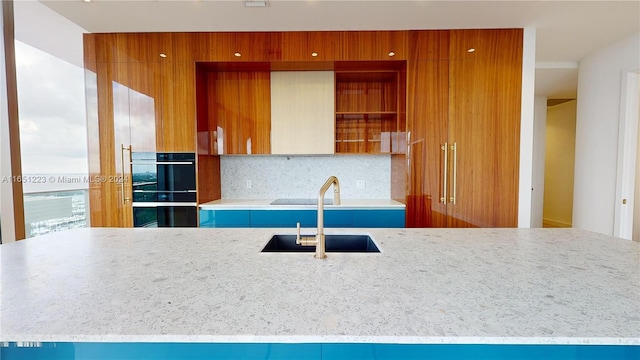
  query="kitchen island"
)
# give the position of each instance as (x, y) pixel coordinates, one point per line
(427, 286)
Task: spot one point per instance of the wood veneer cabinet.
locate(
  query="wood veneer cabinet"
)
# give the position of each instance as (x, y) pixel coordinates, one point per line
(302, 112)
(234, 109)
(134, 104)
(464, 129)
(372, 45)
(444, 94)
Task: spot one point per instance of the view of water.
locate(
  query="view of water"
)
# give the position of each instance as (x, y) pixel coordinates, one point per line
(55, 202)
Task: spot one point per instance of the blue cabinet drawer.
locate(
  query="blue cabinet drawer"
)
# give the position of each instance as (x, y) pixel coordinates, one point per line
(225, 218)
(338, 218)
(378, 218)
(283, 218)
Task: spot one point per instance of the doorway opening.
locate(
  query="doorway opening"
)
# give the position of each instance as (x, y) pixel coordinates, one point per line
(559, 163)
(626, 225)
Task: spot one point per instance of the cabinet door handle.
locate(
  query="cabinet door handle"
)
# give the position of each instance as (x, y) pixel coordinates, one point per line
(445, 168)
(122, 150)
(454, 147)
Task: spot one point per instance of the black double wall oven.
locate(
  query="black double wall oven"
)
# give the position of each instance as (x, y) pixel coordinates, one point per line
(164, 189)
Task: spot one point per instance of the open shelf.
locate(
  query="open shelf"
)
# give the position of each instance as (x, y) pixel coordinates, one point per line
(367, 103)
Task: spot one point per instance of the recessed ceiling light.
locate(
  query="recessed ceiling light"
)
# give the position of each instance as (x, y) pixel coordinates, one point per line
(87, 0)
(237, 54)
(314, 54)
(471, 50)
(391, 53)
(163, 55)
(255, 3)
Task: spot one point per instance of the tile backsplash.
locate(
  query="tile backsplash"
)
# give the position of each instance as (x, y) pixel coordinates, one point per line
(289, 176)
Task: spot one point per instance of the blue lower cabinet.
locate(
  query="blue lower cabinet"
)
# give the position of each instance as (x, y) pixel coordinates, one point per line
(225, 218)
(283, 218)
(338, 218)
(333, 218)
(378, 218)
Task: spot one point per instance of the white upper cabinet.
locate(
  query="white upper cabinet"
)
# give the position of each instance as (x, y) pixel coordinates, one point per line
(302, 112)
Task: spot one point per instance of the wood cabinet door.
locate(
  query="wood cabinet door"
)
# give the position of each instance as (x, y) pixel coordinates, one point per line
(177, 132)
(484, 127)
(428, 44)
(302, 112)
(373, 45)
(428, 105)
(240, 107)
(427, 127)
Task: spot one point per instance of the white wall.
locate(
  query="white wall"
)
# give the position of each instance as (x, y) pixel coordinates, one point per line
(598, 116)
(525, 181)
(636, 210)
(559, 164)
(44, 29)
(539, 134)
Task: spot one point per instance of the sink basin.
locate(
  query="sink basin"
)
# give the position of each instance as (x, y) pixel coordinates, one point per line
(300, 202)
(334, 243)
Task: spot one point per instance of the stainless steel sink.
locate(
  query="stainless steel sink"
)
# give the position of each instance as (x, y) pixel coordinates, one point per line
(334, 243)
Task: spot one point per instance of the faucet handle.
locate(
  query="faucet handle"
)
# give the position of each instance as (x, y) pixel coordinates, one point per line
(304, 240)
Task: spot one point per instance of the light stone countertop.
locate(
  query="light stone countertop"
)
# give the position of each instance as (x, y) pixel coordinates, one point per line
(531, 286)
(257, 204)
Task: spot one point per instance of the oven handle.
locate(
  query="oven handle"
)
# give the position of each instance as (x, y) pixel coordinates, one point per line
(163, 163)
(165, 191)
(163, 204)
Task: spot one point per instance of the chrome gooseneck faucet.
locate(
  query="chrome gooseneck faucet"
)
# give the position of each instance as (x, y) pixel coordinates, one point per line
(318, 240)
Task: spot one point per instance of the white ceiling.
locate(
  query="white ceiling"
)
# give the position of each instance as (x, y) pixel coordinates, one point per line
(566, 31)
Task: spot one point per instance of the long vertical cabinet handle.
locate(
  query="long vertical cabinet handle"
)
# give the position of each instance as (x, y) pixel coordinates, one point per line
(445, 169)
(122, 150)
(454, 147)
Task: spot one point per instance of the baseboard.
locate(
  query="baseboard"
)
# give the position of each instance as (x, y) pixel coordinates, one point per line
(548, 223)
